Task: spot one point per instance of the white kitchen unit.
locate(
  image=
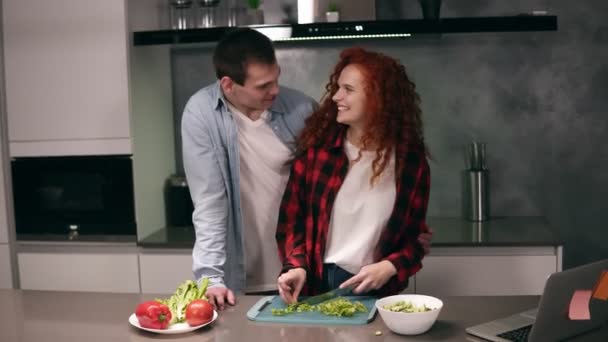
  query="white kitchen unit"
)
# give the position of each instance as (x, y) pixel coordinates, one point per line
(6, 276)
(66, 70)
(479, 271)
(3, 211)
(162, 270)
(79, 267)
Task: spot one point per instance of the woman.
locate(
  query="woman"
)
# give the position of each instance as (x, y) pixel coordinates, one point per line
(357, 196)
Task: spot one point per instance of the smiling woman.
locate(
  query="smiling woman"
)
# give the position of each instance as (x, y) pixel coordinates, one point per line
(355, 204)
(351, 99)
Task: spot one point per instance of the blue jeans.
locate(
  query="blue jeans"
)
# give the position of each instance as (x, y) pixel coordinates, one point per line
(334, 275)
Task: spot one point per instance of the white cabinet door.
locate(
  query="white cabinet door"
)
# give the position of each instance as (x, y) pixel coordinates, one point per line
(4, 162)
(163, 270)
(486, 271)
(98, 271)
(66, 77)
(6, 277)
(3, 211)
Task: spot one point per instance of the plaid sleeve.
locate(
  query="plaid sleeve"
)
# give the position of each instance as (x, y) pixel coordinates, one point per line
(401, 246)
(290, 234)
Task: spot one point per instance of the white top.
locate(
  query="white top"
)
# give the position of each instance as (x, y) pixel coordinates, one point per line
(264, 175)
(360, 212)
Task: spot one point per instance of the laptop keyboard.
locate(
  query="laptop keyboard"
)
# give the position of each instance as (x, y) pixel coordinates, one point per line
(517, 335)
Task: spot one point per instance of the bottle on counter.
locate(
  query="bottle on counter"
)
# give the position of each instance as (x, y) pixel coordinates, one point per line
(476, 178)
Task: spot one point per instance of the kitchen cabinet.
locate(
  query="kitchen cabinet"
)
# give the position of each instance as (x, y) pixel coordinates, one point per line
(6, 276)
(82, 267)
(3, 211)
(3, 195)
(162, 270)
(66, 71)
(480, 271)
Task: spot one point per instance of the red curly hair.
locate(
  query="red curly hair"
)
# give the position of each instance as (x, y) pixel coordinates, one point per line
(393, 120)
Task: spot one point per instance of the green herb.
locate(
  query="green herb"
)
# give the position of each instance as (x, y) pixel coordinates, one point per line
(291, 308)
(332, 7)
(341, 307)
(183, 295)
(254, 4)
(404, 306)
(335, 307)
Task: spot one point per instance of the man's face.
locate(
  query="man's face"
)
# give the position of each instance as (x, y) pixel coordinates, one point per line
(259, 90)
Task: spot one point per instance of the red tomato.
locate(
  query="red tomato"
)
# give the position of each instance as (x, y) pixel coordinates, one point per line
(198, 312)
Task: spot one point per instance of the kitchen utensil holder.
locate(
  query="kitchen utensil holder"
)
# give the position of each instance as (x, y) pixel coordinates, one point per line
(476, 202)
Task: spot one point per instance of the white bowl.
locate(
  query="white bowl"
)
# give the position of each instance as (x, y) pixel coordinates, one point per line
(410, 323)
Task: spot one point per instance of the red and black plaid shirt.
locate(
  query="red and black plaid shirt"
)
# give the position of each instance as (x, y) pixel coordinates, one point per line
(303, 225)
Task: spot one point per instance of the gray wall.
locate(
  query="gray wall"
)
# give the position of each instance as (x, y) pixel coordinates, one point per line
(534, 97)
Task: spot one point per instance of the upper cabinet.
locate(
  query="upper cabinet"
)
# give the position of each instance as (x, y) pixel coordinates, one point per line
(66, 70)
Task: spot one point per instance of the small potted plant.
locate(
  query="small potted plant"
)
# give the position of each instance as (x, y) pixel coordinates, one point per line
(256, 15)
(333, 13)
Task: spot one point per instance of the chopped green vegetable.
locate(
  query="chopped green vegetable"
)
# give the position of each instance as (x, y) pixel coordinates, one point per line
(185, 293)
(291, 308)
(335, 307)
(404, 306)
(341, 307)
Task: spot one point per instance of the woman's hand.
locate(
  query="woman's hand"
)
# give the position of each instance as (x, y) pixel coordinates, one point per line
(371, 277)
(290, 284)
(425, 239)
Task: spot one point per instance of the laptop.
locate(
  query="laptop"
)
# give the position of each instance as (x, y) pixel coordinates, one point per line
(549, 322)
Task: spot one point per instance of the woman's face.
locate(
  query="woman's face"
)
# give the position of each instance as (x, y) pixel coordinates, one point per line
(350, 97)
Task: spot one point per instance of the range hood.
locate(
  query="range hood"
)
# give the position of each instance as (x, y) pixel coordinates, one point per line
(358, 29)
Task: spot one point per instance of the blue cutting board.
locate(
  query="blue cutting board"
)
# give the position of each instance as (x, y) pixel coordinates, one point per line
(261, 312)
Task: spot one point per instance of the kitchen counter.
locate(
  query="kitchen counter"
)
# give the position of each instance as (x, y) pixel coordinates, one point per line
(448, 232)
(75, 237)
(34, 316)
(498, 231)
(170, 237)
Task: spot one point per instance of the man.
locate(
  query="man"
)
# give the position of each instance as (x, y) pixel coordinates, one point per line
(238, 135)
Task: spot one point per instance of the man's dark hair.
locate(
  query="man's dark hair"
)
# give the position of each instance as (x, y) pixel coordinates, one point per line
(237, 49)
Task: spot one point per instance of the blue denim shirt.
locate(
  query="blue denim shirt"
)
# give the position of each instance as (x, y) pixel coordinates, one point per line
(211, 161)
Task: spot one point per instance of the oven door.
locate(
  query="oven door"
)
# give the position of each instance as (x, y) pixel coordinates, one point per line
(58, 195)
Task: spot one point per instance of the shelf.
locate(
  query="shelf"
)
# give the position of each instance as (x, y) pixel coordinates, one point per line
(358, 29)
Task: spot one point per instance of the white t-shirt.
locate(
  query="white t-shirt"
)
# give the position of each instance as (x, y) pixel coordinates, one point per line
(360, 212)
(264, 174)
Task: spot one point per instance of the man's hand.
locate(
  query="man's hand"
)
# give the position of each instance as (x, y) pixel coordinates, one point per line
(218, 296)
(371, 277)
(290, 284)
(425, 239)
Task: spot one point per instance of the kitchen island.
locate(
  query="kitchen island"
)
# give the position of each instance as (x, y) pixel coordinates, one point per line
(35, 316)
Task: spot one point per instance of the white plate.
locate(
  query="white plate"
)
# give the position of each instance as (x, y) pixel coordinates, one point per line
(176, 328)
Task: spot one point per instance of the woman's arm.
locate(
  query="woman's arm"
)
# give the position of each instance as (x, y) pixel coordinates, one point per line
(291, 228)
(406, 224)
